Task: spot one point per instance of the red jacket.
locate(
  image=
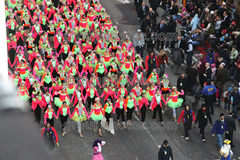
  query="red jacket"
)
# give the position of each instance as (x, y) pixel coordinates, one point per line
(160, 59)
(54, 131)
(182, 116)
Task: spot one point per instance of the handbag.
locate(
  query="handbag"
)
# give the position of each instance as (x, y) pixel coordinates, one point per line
(192, 99)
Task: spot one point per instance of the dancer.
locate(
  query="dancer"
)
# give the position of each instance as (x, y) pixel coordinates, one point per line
(97, 146)
(96, 114)
(91, 95)
(143, 106)
(174, 102)
(107, 111)
(77, 95)
(130, 103)
(165, 85)
(48, 115)
(36, 107)
(109, 93)
(79, 115)
(64, 113)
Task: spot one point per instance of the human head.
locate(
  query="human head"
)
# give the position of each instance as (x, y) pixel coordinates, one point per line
(165, 143)
(143, 3)
(187, 108)
(221, 116)
(48, 125)
(207, 65)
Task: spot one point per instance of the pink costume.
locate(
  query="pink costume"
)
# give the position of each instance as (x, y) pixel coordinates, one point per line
(109, 93)
(143, 101)
(154, 101)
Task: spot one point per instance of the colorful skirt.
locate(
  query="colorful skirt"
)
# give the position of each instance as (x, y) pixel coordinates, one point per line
(58, 102)
(96, 117)
(24, 97)
(24, 76)
(175, 104)
(123, 68)
(81, 118)
(70, 91)
(40, 72)
(149, 97)
(100, 52)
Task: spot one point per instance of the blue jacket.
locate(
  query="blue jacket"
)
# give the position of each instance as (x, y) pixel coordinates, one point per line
(219, 127)
(210, 58)
(235, 97)
(209, 90)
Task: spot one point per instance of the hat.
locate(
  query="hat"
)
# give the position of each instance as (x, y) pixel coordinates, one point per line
(212, 12)
(143, 91)
(224, 31)
(221, 114)
(230, 88)
(233, 22)
(139, 30)
(165, 75)
(208, 82)
(97, 99)
(108, 99)
(227, 141)
(224, 3)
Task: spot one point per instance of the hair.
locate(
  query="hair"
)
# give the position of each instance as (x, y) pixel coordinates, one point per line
(171, 18)
(165, 141)
(95, 143)
(230, 113)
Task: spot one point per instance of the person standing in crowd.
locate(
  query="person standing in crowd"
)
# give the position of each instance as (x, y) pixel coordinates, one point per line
(221, 75)
(188, 117)
(178, 58)
(142, 11)
(137, 4)
(225, 54)
(97, 147)
(219, 127)
(234, 100)
(154, 4)
(150, 63)
(162, 60)
(189, 51)
(202, 119)
(182, 84)
(171, 33)
(161, 30)
(191, 76)
(165, 152)
(231, 127)
(201, 67)
(153, 16)
(139, 42)
(208, 72)
(146, 23)
(209, 91)
(49, 136)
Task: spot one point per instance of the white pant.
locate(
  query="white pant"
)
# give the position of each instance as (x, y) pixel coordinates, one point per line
(79, 126)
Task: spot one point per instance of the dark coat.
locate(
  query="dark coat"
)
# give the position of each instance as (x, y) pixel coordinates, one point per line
(171, 27)
(145, 23)
(141, 13)
(202, 118)
(221, 75)
(165, 153)
(230, 124)
(191, 76)
(182, 84)
(208, 73)
(225, 55)
(163, 29)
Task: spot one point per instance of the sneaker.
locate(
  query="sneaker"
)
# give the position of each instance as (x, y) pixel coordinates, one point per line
(187, 138)
(203, 140)
(162, 111)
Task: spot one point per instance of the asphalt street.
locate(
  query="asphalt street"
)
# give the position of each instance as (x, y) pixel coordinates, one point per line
(137, 142)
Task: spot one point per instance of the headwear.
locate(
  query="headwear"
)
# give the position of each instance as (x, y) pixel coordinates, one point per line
(224, 31)
(139, 30)
(165, 75)
(173, 88)
(95, 143)
(208, 82)
(233, 22)
(143, 91)
(130, 94)
(227, 141)
(108, 99)
(212, 12)
(221, 114)
(224, 3)
(97, 99)
(154, 70)
(230, 88)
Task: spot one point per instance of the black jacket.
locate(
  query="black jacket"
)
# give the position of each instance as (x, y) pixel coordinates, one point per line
(182, 44)
(191, 76)
(208, 73)
(171, 27)
(141, 13)
(163, 29)
(182, 84)
(145, 23)
(165, 153)
(138, 2)
(221, 75)
(202, 118)
(226, 23)
(225, 55)
(153, 17)
(230, 124)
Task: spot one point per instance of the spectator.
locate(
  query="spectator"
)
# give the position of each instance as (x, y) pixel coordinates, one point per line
(180, 43)
(162, 59)
(221, 74)
(208, 72)
(224, 53)
(194, 22)
(142, 11)
(178, 57)
(226, 100)
(202, 119)
(234, 99)
(182, 84)
(189, 51)
(221, 61)
(209, 91)
(213, 69)
(219, 88)
(191, 76)
(139, 42)
(171, 32)
(165, 152)
(166, 4)
(173, 10)
(151, 40)
(150, 62)
(211, 32)
(233, 53)
(201, 67)
(137, 4)
(145, 23)
(219, 127)
(222, 9)
(161, 29)
(226, 21)
(178, 16)
(231, 127)
(154, 4)
(200, 36)
(153, 15)
(217, 26)
(197, 91)
(210, 56)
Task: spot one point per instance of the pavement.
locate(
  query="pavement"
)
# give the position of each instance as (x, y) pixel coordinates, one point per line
(138, 142)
